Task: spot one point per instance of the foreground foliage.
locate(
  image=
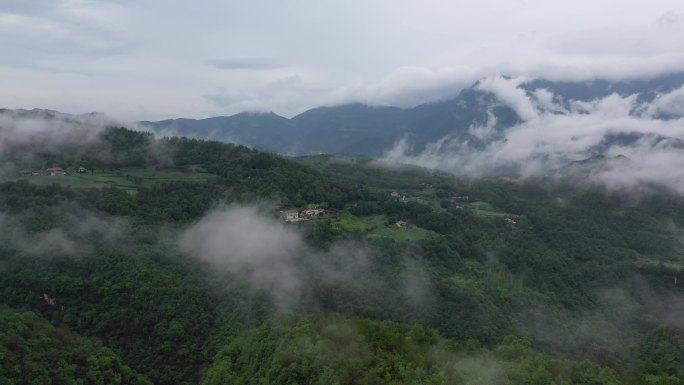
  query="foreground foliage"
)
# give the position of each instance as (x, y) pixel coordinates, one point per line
(333, 350)
(34, 352)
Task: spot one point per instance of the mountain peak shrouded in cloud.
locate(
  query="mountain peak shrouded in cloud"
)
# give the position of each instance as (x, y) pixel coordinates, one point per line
(501, 124)
(29, 137)
(53, 129)
(479, 114)
(620, 122)
(604, 85)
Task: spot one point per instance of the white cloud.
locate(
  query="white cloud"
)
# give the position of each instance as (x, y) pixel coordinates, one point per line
(81, 232)
(508, 92)
(243, 241)
(244, 63)
(487, 131)
(547, 140)
(53, 34)
(273, 258)
(669, 104)
(48, 130)
(409, 86)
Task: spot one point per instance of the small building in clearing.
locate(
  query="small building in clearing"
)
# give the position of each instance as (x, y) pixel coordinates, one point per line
(309, 213)
(401, 224)
(55, 171)
(290, 215)
(459, 198)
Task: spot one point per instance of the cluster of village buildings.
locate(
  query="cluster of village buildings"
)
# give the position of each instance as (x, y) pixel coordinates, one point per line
(294, 215)
(457, 201)
(52, 171)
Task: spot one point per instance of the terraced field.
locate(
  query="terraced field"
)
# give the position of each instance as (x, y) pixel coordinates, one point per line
(125, 179)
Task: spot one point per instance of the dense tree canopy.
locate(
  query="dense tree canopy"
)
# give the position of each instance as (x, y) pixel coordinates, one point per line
(546, 282)
(34, 352)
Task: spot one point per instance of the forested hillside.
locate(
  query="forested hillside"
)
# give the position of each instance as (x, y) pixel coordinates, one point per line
(168, 261)
(33, 351)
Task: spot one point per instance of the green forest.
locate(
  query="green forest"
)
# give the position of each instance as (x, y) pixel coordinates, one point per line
(167, 261)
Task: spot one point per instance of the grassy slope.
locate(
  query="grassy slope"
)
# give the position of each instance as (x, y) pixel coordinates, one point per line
(375, 226)
(126, 179)
(487, 210)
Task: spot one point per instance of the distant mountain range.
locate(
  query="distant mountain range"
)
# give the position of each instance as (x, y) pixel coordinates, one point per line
(357, 129)
(352, 129)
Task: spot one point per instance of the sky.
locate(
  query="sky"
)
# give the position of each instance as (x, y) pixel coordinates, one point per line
(154, 59)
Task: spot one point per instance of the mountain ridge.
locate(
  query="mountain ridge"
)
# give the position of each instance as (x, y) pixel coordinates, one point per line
(359, 129)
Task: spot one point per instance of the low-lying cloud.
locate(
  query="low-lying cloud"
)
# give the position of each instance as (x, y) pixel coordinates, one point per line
(554, 132)
(78, 233)
(36, 139)
(242, 241)
(620, 318)
(49, 130)
(273, 258)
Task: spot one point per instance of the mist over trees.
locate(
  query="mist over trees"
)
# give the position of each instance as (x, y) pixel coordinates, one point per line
(181, 271)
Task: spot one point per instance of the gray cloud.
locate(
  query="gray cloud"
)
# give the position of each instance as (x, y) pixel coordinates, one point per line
(47, 130)
(611, 326)
(291, 91)
(620, 42)
(671, 104)
(78, 234)
(671, 20)
(245, 63)
(299, 91)
(147, 60)
(50, 35)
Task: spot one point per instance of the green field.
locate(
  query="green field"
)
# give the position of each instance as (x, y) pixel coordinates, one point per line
(352, 224)
(125, 179)
(375, 226)
(150, 175)
(487, 210)
(673, 266)
(97, 180)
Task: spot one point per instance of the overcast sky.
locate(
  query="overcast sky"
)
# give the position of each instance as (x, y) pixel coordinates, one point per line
(156, 59)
